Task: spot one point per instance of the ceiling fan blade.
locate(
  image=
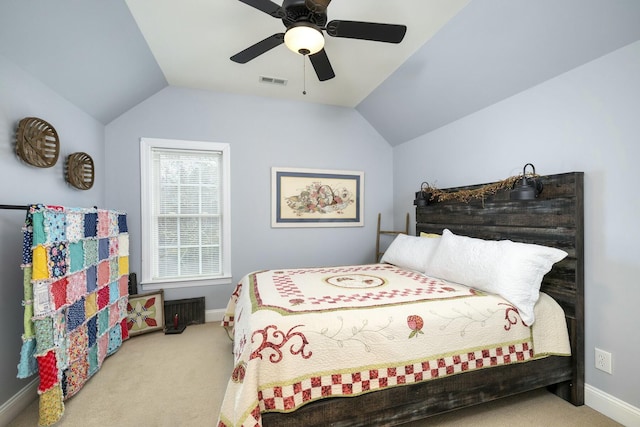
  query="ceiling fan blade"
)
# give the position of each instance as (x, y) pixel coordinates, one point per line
(258, 49)
(266, 6)
(389, 33)
(317, 6)
(321, 64)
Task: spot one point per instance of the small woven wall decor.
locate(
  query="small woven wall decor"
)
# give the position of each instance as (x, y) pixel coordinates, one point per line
(37, 142)
(80, 170)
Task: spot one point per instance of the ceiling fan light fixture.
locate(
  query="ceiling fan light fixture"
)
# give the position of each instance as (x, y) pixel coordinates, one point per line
(304, 38)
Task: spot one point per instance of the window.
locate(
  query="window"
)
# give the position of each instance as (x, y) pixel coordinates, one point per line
(185, 213)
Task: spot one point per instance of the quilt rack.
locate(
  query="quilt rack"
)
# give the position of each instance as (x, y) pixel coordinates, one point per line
(383, 232)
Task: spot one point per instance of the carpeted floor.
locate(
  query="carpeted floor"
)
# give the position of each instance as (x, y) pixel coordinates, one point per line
(162, 380)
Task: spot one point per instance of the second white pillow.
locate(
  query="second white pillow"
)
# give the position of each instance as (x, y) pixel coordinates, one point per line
(509, 269)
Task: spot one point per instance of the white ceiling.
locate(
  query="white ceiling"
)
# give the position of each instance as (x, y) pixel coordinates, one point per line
(458, 56)
(192, 40)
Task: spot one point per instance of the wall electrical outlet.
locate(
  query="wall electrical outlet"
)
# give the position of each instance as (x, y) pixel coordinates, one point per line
(603, 360)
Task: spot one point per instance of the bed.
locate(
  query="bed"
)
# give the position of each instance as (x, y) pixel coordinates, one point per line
(410, 389)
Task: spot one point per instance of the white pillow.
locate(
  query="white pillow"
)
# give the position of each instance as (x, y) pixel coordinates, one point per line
(511, 270)
(410, 252)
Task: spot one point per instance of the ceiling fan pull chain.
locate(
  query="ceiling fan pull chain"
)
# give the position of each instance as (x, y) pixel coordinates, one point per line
(304, 75)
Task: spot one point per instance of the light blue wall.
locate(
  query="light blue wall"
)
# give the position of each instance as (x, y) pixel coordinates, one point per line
(262, 133)
(585, 120)
(22, 96)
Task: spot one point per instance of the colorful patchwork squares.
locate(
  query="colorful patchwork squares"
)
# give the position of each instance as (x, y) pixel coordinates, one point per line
(122, 223)
(123, 245)
(114, 269)
(123, 326)
(44, 334)
(76, 254)
(75, 376)
(123, 266)
(27, 243)
(47, 366)
(103, 321)
(93, 359)
(103, 345)
(58, 259)
(39, 235)
(28, 364)
(55, 226)
(75, 288)
(91, 224)
(123, 284)
(92, 278)
(91, 305)
(51, 406)
(75, 226)
(41, 299)
(114, 315)
(59, 292)
(103, 223)
(113, 223)
(75, 314)
(103, 298)
(103, 249)
(104, 273)
(115, 339)
(90, 252)
(40, 262)
(78, 341)
(113, 247)
(92, 330)
(114, 292)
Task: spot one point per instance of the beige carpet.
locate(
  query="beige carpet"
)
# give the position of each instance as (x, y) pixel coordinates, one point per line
(162, 380)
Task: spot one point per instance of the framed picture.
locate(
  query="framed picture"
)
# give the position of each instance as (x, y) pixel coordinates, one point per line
(316, 198)
(145, 312)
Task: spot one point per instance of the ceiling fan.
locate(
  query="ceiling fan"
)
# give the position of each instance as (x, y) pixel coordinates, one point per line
(305, 20)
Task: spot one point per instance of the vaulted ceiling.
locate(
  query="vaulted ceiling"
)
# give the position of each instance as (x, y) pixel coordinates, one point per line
(458, 56)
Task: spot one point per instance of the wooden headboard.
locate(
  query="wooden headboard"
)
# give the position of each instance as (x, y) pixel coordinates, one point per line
(555, 218)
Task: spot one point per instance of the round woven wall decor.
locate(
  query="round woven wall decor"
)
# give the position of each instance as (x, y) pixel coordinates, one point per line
(37, 142)
(80, 170)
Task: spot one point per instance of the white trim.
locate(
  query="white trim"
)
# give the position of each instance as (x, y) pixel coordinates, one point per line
(214, 315)
(146, 144)
(155, 285)
(18, 402)
(611, 406)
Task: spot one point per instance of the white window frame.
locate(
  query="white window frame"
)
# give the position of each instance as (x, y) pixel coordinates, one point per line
(146, 158)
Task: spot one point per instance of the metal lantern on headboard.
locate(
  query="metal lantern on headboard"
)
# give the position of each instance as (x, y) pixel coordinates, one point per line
(526, 188)
(422, 196)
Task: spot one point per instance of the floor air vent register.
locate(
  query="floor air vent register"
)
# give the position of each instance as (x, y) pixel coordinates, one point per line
(180, 313)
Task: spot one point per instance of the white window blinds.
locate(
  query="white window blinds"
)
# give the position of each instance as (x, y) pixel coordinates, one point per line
(186, 213)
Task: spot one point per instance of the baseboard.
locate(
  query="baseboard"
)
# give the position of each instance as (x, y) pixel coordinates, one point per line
(214, 315)
(12, 407)
(612, 407)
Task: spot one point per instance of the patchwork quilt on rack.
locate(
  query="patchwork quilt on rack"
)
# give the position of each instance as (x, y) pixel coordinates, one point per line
(76, 266)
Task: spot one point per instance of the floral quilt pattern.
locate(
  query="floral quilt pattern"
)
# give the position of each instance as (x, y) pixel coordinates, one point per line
(306, 334)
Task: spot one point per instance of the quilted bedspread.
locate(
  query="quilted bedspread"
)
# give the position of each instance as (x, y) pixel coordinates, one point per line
(305, 334)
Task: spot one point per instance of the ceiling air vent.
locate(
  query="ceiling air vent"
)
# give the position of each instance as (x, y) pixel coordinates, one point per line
(273, 80)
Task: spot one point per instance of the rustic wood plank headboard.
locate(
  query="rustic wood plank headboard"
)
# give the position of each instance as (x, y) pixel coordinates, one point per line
(555, 218)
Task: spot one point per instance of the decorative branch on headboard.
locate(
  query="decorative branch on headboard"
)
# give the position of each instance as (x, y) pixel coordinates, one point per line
(466, 195)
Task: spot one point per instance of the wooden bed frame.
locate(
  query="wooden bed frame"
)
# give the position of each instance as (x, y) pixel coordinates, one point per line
(554, 219)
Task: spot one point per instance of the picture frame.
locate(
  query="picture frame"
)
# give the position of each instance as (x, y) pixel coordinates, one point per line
(145, 312)
(316, 198)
